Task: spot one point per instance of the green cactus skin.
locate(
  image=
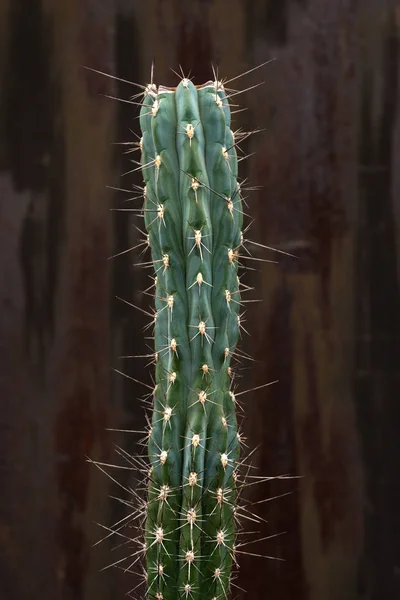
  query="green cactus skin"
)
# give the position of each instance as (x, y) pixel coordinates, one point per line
(193, 217)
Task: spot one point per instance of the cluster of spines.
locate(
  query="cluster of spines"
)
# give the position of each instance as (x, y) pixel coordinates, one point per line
(194, 220)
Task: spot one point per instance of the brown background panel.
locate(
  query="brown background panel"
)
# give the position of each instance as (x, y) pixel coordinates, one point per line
(327, 327)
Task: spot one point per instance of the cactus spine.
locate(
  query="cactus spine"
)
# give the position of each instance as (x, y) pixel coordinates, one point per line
(193, 216)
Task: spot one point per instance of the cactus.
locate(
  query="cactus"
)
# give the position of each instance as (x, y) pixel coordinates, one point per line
(193, 216)
(194, 221)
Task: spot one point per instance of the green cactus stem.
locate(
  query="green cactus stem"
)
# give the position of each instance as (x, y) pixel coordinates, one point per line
(194, 230)
(193, 217)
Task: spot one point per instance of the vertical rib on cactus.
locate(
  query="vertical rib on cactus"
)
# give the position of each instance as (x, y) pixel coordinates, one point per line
(193, 217)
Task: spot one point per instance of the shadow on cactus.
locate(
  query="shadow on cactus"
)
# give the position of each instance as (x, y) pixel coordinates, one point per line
(191, 515)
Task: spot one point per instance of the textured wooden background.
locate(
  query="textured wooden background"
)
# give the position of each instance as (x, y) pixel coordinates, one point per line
(328, 326)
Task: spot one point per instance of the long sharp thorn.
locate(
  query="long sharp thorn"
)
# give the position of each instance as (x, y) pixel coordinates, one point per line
(249, 71)
(114, 77)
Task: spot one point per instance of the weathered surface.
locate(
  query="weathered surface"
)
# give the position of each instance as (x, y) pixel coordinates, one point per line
(330, 320)
(56, 236)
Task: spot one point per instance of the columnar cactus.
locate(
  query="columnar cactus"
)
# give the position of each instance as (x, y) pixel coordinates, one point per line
(193, 216)
(194, 220)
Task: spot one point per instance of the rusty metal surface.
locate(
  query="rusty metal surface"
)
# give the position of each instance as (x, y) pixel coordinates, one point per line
(328, 327)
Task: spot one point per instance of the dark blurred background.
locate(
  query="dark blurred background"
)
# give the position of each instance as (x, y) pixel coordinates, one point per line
(327, 328)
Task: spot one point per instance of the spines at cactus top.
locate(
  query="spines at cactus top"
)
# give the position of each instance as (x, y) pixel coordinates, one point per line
(193, 216)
